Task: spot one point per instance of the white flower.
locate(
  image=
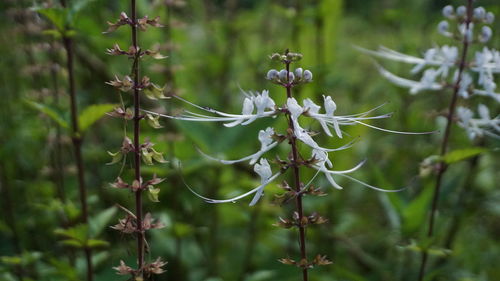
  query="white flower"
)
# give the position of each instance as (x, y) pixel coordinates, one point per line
(490, 18)
(266, 136)
(261, 102)
(266, 143)
(298, 73)
(323, 161)
(443, 28)
(478, 127)
(444, 57)
(486, 34)
(448, 11)
(479, 13)
(415, 86)
(248, 108)
(313, 110)
(308, 76)
(261, 105)
(330, 108)
(294, 108)
(272, 74)
(461, 11)
(467, 31)
(282, 75)
(304, 136)
(263, 169)
(465, 83)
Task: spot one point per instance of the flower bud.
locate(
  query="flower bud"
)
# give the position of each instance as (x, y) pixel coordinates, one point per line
(308, 76)
(298, 73)
(275, 56)
(479, 13)
(272, 74)
(490, 18)
(282, 75)
(448, 11)
(485, 35)
(291, 77)
(467, 31)
(461, 11)
(443, 27)
(293, 56)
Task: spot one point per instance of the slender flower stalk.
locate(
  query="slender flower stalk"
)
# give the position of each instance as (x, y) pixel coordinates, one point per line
(441, 60)
(137, 223)
(445, 142)
(296, 174)
(76, 138)
(261, 105)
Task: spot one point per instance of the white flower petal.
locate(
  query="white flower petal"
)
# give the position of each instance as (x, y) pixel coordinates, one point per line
(294, 108)
(236, 198)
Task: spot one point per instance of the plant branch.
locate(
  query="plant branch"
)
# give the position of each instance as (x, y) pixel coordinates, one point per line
(137, 152)
(445, 141)
(76, 138)
(298, 199)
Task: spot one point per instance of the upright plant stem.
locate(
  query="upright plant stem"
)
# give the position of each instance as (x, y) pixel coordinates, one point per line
(77, 142)
(445, 142)
(58, 166)
(461, 207)
(296, 175)
(137, 153)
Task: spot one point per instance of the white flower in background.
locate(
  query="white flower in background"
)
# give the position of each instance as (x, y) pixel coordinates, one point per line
(257, 106)
(442, 64)
(478, 127)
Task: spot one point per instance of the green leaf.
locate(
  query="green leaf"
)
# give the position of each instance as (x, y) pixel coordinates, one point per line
(182, 229)
(98, 223)
(462, 154)
(414, 215)
(153, 193)
(56, 34)
(153, 121)
(155, 92)
(93, 113)
(50, 112)
(79, 5)
(433, 251)
(78, 233)
(147, 157)
(157, 156)
(117, 157)
(64, 269)
(262, 275)
(57, 16)
(95, 243)
(15, 260)
(73, 243)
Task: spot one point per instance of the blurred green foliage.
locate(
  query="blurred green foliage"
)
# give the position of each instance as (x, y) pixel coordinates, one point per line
(215, 48)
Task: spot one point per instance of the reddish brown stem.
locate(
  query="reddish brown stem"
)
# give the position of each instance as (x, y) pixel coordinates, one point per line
(137, 152)
(298, 199)
(77, 141)
(445, 142)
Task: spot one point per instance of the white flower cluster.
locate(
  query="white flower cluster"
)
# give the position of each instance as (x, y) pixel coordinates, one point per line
(440, 66)
(479, 16)
(295, 77)
(260, 105)
(478, 127)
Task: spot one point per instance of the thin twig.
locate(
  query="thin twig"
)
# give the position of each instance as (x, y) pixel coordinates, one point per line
(296, 175)
(445, 141)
